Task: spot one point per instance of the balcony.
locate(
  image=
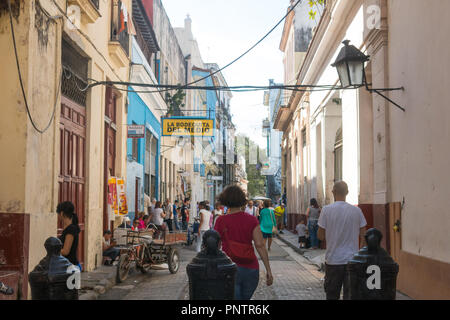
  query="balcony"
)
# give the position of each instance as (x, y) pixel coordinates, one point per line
(119, 45)
(281, 110)
(90, 9)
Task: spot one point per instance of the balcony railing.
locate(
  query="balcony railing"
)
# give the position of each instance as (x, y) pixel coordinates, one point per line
(117, 34)
(96, 4)
(282, 103)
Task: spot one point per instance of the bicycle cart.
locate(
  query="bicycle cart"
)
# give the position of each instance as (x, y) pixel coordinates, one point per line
(149, 249)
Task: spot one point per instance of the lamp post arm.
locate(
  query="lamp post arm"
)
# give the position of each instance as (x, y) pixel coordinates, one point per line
(387, 89)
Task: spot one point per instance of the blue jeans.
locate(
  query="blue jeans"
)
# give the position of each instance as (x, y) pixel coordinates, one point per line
(312, 229)
(176, 222)
(113, 253)
(246, 283)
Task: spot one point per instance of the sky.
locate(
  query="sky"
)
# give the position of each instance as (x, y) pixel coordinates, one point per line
(224, 29)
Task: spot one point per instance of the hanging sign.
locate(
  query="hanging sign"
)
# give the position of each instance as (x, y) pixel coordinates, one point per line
(117, 199)
(136, 131)
(122, 198)
(112, 198)
(181, 127)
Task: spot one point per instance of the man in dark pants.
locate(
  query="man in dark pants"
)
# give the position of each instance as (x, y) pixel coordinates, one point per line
(109, 249)
(342, 226)
(185, 214)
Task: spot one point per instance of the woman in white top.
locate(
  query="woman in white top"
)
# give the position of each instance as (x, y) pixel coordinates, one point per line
(217, 212)
(158, 216)
(205, 216)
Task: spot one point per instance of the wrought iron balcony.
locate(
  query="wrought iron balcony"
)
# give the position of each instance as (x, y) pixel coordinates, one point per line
(96, 4)
(281, 103)
(118, 34)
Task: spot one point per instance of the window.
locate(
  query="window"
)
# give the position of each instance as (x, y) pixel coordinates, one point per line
(135, 149)
(338, 148)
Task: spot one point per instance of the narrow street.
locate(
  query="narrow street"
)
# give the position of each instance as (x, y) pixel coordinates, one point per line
(294, 279)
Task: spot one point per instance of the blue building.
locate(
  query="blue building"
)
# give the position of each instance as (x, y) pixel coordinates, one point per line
(143, 154)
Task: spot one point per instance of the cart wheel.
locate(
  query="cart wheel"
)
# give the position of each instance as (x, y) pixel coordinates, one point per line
(123, 267)
(173, 260)
(146, 265)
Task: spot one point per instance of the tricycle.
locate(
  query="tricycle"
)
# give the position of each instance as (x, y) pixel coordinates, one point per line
(148, 249)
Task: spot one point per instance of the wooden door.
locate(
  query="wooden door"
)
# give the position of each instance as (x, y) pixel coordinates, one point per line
(110, 152)
(72, 174)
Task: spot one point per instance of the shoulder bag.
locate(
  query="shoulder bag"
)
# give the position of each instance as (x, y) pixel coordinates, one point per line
(238, 251)
(274, 228)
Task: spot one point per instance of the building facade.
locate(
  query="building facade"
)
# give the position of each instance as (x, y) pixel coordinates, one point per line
(84, 142)
(272, 169)
(393, 161)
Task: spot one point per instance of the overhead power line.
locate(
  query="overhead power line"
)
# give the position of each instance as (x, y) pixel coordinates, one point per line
(245, 53)
(21, 81)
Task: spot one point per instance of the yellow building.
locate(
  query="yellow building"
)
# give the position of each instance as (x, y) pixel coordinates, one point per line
(83, 138)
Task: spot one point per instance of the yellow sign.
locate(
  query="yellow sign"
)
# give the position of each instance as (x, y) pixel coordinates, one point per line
(188, 127)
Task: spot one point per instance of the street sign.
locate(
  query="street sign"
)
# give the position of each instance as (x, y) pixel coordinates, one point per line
(191, 127)
(136, 131)
(217, 178)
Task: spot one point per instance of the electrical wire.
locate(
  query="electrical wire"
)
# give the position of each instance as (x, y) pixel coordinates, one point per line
(239, 57)
(41, 131)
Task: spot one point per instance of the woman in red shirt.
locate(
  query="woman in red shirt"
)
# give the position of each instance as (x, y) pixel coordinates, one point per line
(237, 230)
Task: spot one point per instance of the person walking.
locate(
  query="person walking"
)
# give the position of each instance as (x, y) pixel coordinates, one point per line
(71, 231)
(175, 210)
(260, 207)
(251, 209)
(185, 213)
(167, 207)
(205, 218)
(217, 213)
(238, 230)
(147, 204)
(279, 217)
(159, 216)
(342, 226)
(313, 214)
(267, 223)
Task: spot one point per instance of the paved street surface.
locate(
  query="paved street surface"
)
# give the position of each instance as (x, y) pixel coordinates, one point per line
(295, 278)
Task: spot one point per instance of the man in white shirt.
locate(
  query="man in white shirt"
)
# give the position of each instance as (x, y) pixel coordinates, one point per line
(205, 216)
(342, 226)
(251, 209)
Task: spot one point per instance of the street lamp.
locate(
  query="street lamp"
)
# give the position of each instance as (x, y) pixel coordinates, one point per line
(350, 68)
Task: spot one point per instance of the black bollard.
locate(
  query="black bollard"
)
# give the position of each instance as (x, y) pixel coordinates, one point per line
(49, 279)
(372, 273)
(211, 273)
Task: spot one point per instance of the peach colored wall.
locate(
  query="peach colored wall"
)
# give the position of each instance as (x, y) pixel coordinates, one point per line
(418, 60)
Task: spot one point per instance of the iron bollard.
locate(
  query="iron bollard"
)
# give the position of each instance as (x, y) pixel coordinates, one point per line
(211, 273)
(372, 273)
(49, 279)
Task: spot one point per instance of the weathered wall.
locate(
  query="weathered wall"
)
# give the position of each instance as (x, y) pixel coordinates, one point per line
(28, 164)
(32, 161)
(171, 54)
(419, 137)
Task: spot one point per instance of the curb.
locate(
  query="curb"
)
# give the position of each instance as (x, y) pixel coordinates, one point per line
(295, 248)
(102, 287)
(298, 250)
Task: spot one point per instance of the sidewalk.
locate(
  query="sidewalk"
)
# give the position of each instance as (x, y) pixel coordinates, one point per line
(316, 257)
(97, 282)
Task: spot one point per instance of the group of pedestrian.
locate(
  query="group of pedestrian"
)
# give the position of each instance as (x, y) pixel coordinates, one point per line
(243, 227)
